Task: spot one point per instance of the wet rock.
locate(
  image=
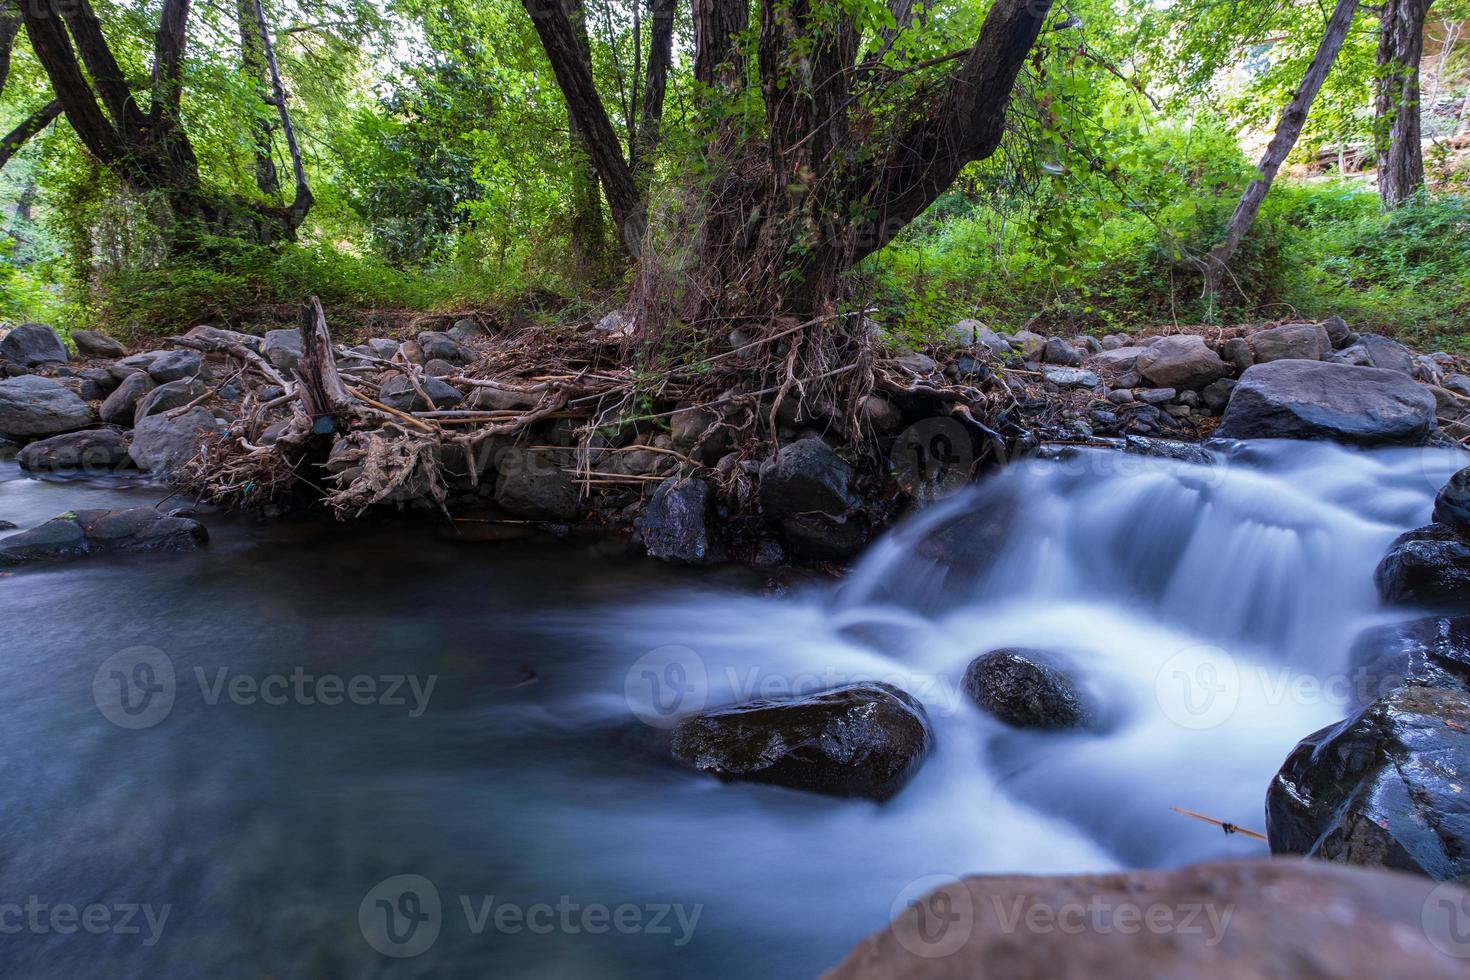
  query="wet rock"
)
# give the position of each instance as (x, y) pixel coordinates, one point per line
(535, 485)
(1429, 566)
(1384, 788)
(90, 343)
(1026, 689)
(1181, 361)
(94, 532)
(176, 365)
(121, 407)
(167, 397)
(398, 392)
(1249, 920)
(33, 344)
(1066, 377)
(94, 451)
(33, 406)
(161, 443)
(1430, 652)
(283, 349)
(806, 488)
(1452, 505)
(675, 526)
(1059, 352)
(862, 740)
(1317, 400)
(1294, 341)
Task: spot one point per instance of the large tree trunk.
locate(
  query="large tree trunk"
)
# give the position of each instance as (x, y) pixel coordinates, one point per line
(252, 66)
(1216, 265)
(1398, 134)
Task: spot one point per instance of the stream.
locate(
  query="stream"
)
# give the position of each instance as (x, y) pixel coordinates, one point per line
(336, 751)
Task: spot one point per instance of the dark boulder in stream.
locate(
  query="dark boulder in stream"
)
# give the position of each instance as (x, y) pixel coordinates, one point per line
(1431, 652)
(862, 740)
(807, 489)
(675, 526)
(92, 532)
(1429, 566)
(1387, 787)
(1027, 689)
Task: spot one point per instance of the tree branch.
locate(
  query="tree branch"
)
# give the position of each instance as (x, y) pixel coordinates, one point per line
(29, 127)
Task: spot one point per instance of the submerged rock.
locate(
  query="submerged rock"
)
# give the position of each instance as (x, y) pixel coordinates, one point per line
(1387, 787)
(92, 532)
(1294, 399)
(862, 740)
(33, 344)
(675, 526)
(32, 406)
(1027, 689)
(1429, 566)
(97, 450)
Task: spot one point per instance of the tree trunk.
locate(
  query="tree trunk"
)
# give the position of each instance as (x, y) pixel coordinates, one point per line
(27, 128)
(655, 85)
(588, 229)
(252, 66)
(1288, 131)
(1397, 130)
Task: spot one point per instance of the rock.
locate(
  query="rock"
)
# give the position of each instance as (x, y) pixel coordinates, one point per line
(398, 392)
(1181, 361)
(1458, 383)
(966, 333)
(1120, 396)
(8, 449)
(994, 342)
(33, 344)
(697, 432)
(1089, 345)
(1317, 400)
(1429, 566)
(160, 443)
(1426, 370)
(176, 365)
(383, 347)
(97, 383)
(1299, 341)
(1066, 377)
(90, 343)
(1030, 344)
(880, 413)
(497, 400)
(216, 335)
(1155, 396)
(1118, 358)
(917, 363)
(1452, 505)
(441, 347)
(1216, 396)
(1372, 350)
(167, 397)
(1339, 334)
(1058, 351)
(94, 451)
(133, 363)
(1430, 652)
(91, 532)
(675, 526)
(439, 368)
(466, 329)
(121, 407)
(861, 740)
(1026, 689)
(615, 326)
(1114, 341)
(534, 485)
(1249, 920)
(34, 406)
(1384, 788)
(283, 349)
(1237, 353)
(806, 488)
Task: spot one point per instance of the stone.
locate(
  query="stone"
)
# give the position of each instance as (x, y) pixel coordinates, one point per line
(697, 432)
(1237, 353)
(1286, 920)
(1155, 396)
(93, 532)
(1426, 370)
(861, 740)
(94, 451)
(994, 342)
(1027, 689)
(615, 325)
(1070, 377)
(465, 329)
(33, 344)
(1300, 341)
(160, 443)
(1318, 400)
(1429, 566)
(398, 392)
(1120, 396)
(217, 336)
(133, 363)
(1058, 351)
(1458, 383)
(121, 407)
(177, 365)
(499, 400)
(383, 347)
(1452, 504)
(442, 347)
(1339, 334)
(675, 525)
(283, 349)
(1118, 358)
(1089, 345)
(1429, 652)
(917, 363)
(439, 368)
(1181, 361)
(1384, 788)
(90, 343)
(8, 449)
(1217, 395)
(96, 383)
(966, 333)
(880, 413)
(1030, 344)
(32, 406)
(167, 397)
(535, 485)
(1373, 350)
(1114, 341)
(806, 488)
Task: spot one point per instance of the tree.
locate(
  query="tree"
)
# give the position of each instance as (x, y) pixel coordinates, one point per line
(816, 147)
(1398, 134)
(39, 119)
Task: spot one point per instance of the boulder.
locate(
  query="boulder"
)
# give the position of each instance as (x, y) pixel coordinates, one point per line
(33, 406)
(1029, 344)
(536, 486)
(1429, 566)
(90, 343)
(96, 383)
(1248, 920)
(806, 488)
(498, 400)
(1295, 341)
(675, 526)
(880, 413)
(1373, 350)
(33, 344)
(133, 363)
(1216, 396)
(1237, 353)
(861, 740)
(441, 347)
(398, 392)
(1059, 352)
(1430, 652)
(1452, 505)
(1458, 383)
(1070, 377)
(161, 443)
(121, 407)
(94, 532)
(167, 397)
(177, 365)
(1027, 689)
(1386, 787)
(93, 451)
(466, 329)
(283, 349)
(697, 432)
(1339, 334)
(218, 336)
(1181, 361)
(1317, 400)
(1118, 358)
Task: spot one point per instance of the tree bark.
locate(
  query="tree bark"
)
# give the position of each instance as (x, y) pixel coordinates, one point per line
(27, 128)
(1215, 266)
(252, 66)
(302, 200)
(655, 85)
(1397, 131)
(588, 228)
(718, 60)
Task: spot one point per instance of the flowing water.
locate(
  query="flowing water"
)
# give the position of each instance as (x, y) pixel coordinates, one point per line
(242, 744)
